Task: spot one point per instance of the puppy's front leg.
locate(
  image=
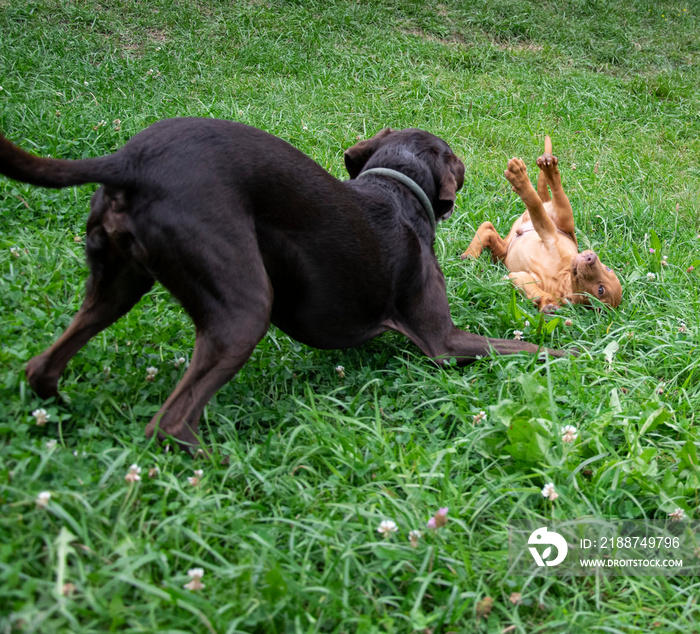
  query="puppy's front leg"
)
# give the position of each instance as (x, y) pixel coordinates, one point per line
(519, 181)
(563, 213)
(533, 291)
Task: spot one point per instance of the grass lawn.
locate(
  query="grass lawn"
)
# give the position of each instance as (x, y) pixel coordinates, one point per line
(307, 461)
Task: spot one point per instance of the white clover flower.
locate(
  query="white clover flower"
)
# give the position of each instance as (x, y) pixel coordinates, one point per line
(413, 538)
(568, 322)
(195, 574)
(14, 251)
(196, 479)
(340, 370)
(549, 492)
(51, 444)
(651, 276)
(42, 417)
(151, 373)
(179, 361)
(527, 324)
(682, 328)
(479, 417)
(517, 335)
(153, 472)
(569, 433)
(133, 474)
(387, 527)
(677, 515)
(43, 499)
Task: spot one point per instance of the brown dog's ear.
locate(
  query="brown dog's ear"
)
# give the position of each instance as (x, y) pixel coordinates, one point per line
(357, 155)
(450, 183)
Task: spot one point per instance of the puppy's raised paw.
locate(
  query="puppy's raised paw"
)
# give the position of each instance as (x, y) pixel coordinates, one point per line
(516, 174)
(547, 161)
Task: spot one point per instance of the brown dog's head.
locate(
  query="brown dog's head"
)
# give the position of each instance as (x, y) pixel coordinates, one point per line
(590, 276)
(412, 152)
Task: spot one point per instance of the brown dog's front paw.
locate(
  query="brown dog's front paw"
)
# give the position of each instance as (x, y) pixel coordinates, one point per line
(516, 174)
(42, 382)
(184, 435)
(547, 162)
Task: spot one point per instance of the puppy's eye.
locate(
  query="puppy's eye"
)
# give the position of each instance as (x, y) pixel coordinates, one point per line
(601, 290)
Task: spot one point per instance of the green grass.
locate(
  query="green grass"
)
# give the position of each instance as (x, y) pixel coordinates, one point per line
(306, 463)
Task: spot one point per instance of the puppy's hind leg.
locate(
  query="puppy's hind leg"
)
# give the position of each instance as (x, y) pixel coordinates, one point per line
(115, 284)
(486, 237)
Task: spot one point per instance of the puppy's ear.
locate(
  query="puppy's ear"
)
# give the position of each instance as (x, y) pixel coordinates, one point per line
(450, 183)
(360, 153)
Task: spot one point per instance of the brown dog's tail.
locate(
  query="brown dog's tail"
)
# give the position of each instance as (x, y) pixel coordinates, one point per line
(22, 166)
(547, 144)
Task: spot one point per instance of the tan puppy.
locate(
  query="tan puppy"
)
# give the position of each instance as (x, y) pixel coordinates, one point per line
(541, 250)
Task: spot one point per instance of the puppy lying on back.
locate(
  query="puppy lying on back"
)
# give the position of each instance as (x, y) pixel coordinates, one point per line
(541, 250)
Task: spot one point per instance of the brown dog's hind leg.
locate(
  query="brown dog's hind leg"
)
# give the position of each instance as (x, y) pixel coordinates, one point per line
(114, 286)
(231, 316)
(486, 237)
(218, 356)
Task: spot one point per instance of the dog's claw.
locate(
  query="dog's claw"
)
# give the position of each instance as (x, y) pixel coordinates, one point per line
(547, 161)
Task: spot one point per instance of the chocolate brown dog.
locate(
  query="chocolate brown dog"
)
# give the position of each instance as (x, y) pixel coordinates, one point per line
(541, 250)
(244, 230)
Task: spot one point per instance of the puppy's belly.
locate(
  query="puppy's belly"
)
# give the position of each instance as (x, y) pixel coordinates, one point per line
(548, 265)
(528, 253)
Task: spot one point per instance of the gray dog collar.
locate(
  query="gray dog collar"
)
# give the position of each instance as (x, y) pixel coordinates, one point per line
(411, 184)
